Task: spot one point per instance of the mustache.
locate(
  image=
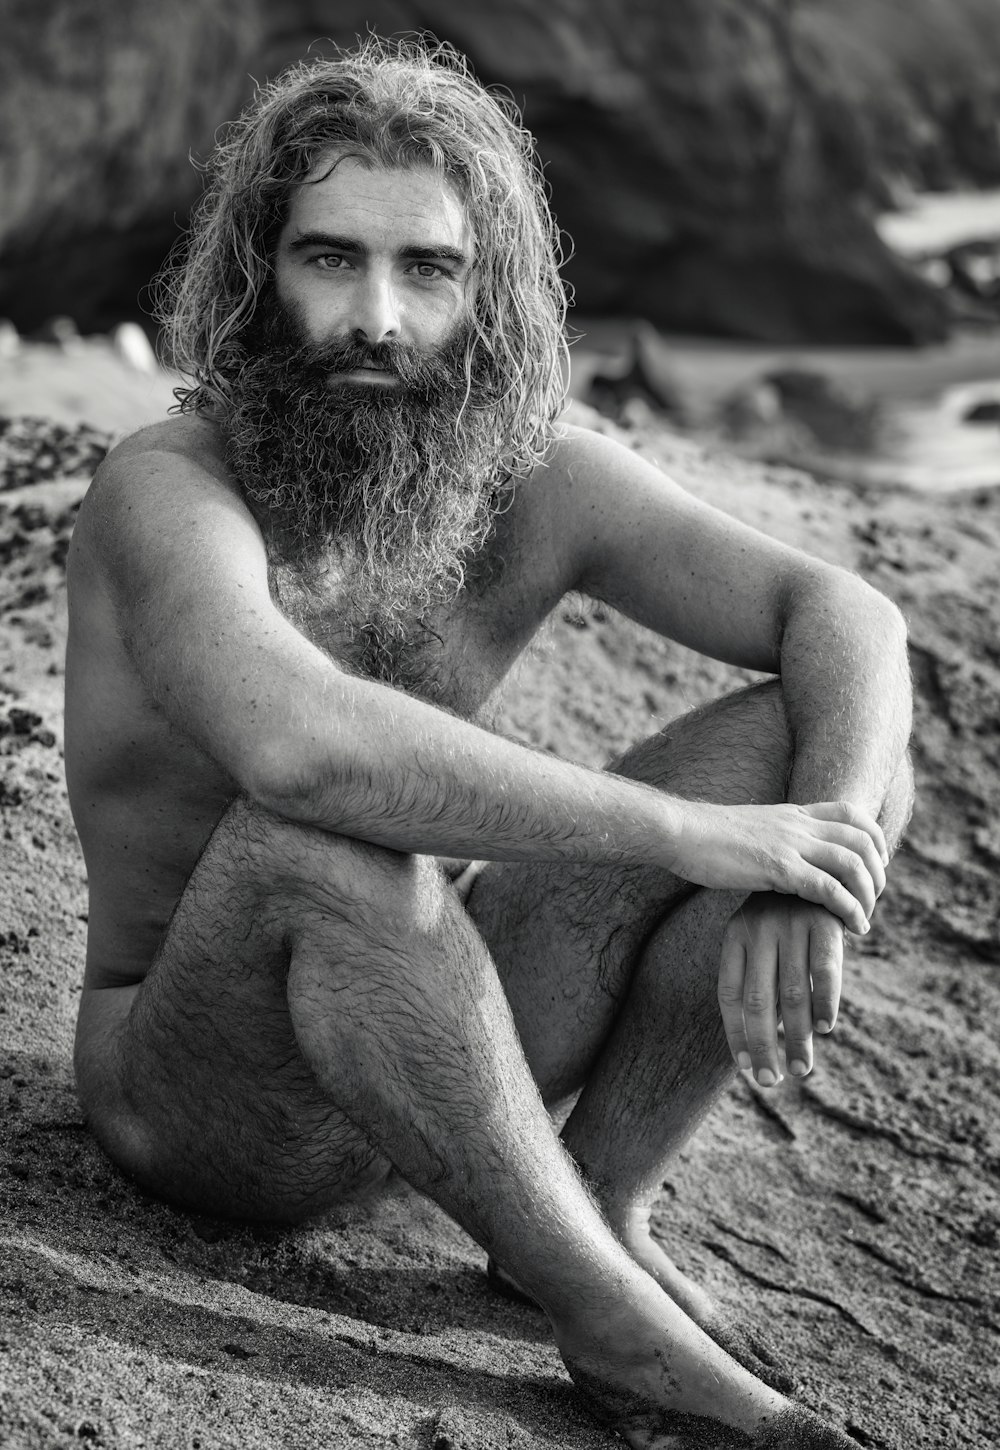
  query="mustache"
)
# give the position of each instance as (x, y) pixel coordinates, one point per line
(398, 358)
(437, 375)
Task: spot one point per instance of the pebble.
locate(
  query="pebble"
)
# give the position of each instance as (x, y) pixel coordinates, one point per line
(131, 344)
(10, 341)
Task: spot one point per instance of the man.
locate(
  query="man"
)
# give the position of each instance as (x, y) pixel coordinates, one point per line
(293, 610)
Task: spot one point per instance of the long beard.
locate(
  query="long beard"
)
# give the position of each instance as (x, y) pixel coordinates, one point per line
(374, 496)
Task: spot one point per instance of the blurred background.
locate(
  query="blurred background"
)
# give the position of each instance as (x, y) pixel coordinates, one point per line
(784, 215)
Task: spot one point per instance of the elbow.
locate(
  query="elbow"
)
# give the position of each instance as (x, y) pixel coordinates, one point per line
(282, 778)
(884, 619)
(891, 632)
(891, 619)
(895, 634)
(890, 623)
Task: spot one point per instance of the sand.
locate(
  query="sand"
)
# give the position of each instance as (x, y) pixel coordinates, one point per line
(853, 1218)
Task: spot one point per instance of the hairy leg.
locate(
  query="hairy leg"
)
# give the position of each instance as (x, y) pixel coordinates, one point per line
(194, 1081)
(417, 1043)
(612, 981)
(568, 940)
(321, 1009)
(667, 1059)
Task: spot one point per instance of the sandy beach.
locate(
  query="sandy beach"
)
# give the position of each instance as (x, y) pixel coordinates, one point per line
(853, 1218)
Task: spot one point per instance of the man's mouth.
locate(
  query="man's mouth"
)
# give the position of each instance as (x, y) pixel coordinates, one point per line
(366, 373)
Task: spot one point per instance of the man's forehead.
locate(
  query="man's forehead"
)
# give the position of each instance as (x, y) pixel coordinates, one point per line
(342, 187)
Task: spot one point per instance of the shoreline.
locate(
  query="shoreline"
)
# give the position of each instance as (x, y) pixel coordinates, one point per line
(922, 394)
(927, 223)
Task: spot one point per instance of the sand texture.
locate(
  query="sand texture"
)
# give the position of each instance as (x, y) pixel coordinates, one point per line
(854, 1218)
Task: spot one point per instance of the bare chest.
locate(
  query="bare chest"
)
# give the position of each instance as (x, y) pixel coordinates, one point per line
(460, 655)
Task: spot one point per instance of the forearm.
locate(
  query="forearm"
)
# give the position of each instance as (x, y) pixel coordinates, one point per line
(402, 774)
(846, 686)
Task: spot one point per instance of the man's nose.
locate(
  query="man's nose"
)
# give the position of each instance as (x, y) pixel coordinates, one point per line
(376, 311)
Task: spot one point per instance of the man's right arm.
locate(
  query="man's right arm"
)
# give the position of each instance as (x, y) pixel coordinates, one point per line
(187, 569)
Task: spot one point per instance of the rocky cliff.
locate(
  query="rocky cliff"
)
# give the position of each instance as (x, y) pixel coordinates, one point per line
(715, 162)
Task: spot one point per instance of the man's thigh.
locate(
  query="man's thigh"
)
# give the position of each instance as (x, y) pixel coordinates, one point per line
(194, 1081)
(567, 938)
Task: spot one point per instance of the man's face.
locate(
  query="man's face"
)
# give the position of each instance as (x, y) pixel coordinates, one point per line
(360, 432)
(374, 256)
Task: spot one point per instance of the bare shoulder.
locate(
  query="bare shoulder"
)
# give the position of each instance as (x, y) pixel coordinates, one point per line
(164, 515)
(579, 453)
(588, 490)
(587, 469)
(176, 449)
(157, 478)
(187, 434)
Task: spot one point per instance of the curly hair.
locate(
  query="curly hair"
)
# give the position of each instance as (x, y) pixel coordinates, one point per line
(388, 104)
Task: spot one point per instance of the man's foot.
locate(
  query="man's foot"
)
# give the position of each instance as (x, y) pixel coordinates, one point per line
(738, 1339)
(651, 1374)
(650, 1428)
(747, 1348)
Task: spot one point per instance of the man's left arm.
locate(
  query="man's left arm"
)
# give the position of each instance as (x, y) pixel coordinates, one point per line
(726, 590)
(846, 689)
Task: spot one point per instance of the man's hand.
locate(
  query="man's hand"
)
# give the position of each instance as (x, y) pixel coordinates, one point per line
(833, 854)
(782, 959)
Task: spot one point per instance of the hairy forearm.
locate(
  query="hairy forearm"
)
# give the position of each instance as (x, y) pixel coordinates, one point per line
(391, 770)
(846, 686)
(402, 774)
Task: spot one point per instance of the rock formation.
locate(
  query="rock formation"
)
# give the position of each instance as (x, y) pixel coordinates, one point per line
(716, 163)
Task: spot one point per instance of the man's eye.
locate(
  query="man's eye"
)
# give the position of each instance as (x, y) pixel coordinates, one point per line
(428, 270)
(330, 261)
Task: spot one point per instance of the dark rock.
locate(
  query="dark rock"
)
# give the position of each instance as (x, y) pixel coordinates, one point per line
(975, 269)
(211, 1230)
(986, 412)
(838, 417)
(127, 91)
(803, 406)
(644, 372)
(750, 408)
(22, 722)
(716, 164)
(34, 450)
(238, 1351)
(10, 794)
(985, 1232)
(30, 517)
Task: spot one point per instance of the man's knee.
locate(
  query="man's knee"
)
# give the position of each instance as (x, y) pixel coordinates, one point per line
(310, 877)
(737, 749)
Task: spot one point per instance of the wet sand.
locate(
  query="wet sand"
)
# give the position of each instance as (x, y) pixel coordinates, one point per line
(854, 1218)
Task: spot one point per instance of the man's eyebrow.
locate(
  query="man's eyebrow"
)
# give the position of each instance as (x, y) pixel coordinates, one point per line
(438, 252)
(324, 239)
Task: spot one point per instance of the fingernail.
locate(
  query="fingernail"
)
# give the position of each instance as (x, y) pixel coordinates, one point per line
(743, 1058)
(823, 1026)
(798, 1068)
(766, 1077)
